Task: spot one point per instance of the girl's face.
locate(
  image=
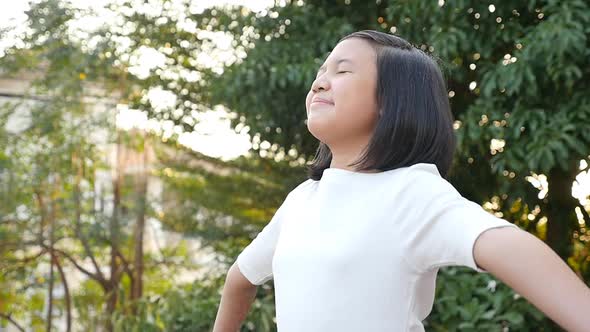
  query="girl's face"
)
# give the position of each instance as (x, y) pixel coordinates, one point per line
(341, 104)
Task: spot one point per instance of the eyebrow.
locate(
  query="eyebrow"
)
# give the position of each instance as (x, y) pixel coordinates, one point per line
(337, 62)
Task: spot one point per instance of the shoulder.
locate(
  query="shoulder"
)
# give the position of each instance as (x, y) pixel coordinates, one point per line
(425, 179)
(424, 167)
(303, 187)
(293, 196)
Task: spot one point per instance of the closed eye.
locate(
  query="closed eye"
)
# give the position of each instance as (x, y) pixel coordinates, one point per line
(339, 72)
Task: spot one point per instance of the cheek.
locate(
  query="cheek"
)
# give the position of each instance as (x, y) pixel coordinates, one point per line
(308, 100)
(356, 106)
(355, 96)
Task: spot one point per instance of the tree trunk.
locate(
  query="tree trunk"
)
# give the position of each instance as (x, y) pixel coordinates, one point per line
(64, 282)
(111, 293)
(560, 207)
(111, 290)
(142, 183)
(49, 319)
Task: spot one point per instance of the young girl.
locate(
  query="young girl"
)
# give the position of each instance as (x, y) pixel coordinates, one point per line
(358, 245)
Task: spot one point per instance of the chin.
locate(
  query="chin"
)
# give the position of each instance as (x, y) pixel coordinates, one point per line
(319, 130)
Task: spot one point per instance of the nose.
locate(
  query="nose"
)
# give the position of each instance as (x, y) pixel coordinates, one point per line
(320, 83)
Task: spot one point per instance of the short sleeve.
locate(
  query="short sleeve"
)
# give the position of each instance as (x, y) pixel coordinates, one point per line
(443, 226)
(255, 260)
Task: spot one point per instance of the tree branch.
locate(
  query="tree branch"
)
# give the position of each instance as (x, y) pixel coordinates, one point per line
(17, 244)
(585, 214)
(89, 252)
(78, 231)
(64, 282)
(28, 259)
(95, 276)
(9, 318)
(126, 265)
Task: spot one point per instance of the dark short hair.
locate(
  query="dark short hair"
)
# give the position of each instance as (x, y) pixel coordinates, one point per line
(415, 121)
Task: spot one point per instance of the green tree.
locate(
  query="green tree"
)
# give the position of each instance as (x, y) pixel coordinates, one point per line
(517, 73)
(50, 173)
(48, 183)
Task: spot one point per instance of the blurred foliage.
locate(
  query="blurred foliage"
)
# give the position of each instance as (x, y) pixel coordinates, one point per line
(224, 204)
(469, 301)
(194, 307)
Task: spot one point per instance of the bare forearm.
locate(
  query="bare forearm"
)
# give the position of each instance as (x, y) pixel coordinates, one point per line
(537, 273)
(236, 300)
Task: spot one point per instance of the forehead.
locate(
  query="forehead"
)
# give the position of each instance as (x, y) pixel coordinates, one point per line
(353, 50)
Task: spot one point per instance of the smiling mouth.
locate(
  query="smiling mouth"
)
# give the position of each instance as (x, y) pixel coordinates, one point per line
(321, 102)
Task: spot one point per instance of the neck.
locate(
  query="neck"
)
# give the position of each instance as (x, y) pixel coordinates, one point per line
(342, 157)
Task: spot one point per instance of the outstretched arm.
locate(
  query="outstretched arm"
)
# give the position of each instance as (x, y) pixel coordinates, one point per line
(532, 269)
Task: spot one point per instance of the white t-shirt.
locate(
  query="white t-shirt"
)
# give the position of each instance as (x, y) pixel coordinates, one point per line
(361, 251)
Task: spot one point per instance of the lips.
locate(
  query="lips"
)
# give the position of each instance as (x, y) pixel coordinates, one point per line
(321, 101)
